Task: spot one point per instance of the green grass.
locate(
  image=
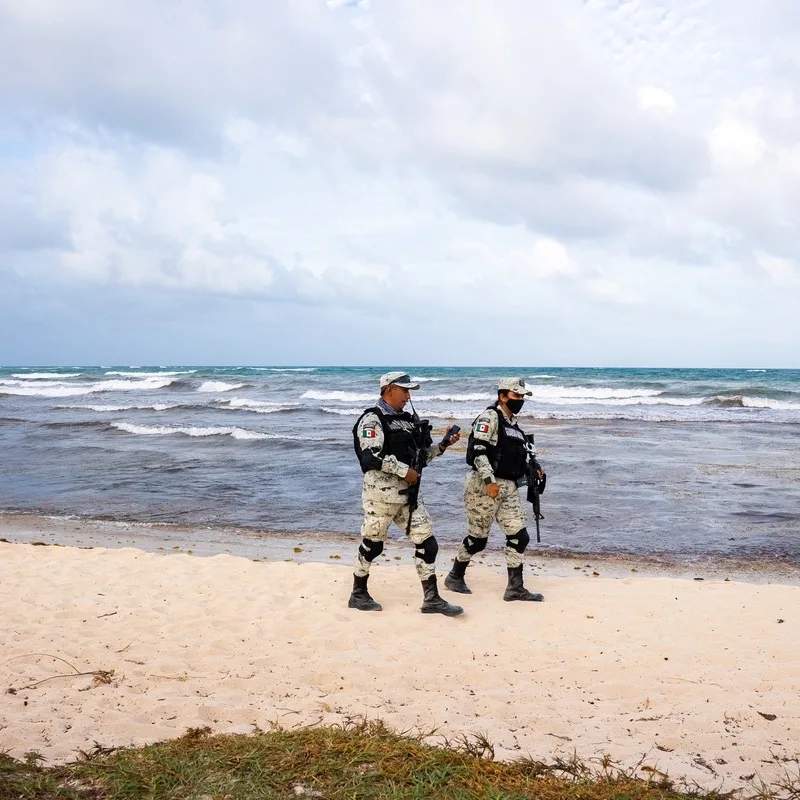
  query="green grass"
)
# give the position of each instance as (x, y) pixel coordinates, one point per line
(358, 761)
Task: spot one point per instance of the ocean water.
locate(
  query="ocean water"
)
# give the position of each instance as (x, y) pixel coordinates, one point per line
(674, 463)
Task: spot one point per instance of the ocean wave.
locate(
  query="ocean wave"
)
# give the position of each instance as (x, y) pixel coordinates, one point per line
(345, 397)
(202, 432)
(219, 386)
(100, 407)
(60, 390)
(534, 377)
(151, 374)
(589, 392)
(423, 379)
(195, 431)
(38, 376)
(744, 401)
(456, 398)
(38, 384)
(424, 413)
(618, 401)
(256, 406)
(344, 412)
(285, 369)
(87, 423)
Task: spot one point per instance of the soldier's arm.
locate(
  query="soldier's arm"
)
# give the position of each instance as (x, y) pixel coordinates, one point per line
(484, 431)
(371, 439)
(432, 452)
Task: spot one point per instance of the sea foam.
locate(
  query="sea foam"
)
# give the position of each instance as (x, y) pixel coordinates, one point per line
(345, 397)
(219, 386)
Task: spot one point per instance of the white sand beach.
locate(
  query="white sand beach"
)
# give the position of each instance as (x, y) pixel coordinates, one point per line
(696, 679)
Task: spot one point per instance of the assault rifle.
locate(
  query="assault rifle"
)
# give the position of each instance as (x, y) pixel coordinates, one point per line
(422, 441)
(536, 483)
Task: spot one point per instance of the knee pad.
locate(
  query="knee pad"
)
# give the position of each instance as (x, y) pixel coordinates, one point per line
(474, 545)
(427, 550)
(370, 549)
(519, 541)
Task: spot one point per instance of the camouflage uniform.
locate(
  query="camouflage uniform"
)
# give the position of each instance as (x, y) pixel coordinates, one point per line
(385, 438)
(482, 510)
(496, 445)
(383, 497)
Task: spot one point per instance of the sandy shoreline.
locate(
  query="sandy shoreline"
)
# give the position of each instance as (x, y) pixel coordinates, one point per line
(697, 679)
(324, 547)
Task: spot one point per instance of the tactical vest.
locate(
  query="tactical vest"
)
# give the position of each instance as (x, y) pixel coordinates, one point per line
(508, 457)
(398, 437)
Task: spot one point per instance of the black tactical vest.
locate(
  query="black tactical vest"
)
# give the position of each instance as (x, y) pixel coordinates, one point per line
(508, 457)
(398, 437)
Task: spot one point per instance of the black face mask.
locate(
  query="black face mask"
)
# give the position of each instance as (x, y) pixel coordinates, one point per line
(514, 406)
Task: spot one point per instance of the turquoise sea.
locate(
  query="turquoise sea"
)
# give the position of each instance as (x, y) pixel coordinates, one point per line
(675, 463)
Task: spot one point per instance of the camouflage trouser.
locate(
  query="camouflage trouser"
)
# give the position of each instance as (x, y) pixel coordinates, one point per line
(379, 515)
(482, 510)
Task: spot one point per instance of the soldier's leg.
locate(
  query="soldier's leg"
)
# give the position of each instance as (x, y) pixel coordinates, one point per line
(425, 549)
(377, 518)
(481, 510)
(512, 519)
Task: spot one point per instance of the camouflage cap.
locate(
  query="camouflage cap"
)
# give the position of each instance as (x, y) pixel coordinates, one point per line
(513, 385)
(400, 379)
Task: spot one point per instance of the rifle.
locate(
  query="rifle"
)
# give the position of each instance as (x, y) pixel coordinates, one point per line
(422, 441)
(536, 484)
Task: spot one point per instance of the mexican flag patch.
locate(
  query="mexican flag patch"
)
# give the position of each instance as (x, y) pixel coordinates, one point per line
(369, 433)
(482, 427)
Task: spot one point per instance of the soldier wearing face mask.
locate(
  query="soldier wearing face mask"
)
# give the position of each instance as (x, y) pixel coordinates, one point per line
(497, 456)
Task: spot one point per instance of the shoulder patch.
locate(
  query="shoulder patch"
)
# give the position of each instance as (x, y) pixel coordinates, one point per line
(482, 427)
(369, 433)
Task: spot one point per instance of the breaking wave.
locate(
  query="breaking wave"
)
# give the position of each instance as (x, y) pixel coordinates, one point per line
(151, 374)
(256, 406)
(55, 389)
(170, 430)
(285, 369)
(202, 432)
(744, 401)
(219, 386)
(38, 376)
(100, 407)
(345, 397)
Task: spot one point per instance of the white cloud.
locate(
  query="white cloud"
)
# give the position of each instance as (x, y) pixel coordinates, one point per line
(609, 290)
(736, 145)
(783, 271)
(550, 258)
(651, 98)
(574, 159)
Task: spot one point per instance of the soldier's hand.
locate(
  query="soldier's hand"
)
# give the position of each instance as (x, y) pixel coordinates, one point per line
(454, 438)
(492, 489)
(412, 476)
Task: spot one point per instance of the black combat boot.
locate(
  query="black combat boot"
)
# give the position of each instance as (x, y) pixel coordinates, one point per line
(360, 597)
(454, 580)
(515, 590)
(433, 604)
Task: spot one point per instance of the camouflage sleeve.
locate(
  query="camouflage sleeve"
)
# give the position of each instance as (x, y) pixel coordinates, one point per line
(370, 437)
(484, 431)
(433, 452)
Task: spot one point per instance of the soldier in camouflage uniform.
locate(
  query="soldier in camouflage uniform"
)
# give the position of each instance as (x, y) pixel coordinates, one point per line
(386, 440)
(496, 452)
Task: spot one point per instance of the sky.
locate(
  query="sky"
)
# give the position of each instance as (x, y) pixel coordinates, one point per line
(459, 182)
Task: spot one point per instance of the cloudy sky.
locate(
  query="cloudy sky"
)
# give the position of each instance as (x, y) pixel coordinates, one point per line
(400, 181)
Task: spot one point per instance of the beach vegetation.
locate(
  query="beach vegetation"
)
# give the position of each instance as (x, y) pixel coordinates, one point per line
(357, 760)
